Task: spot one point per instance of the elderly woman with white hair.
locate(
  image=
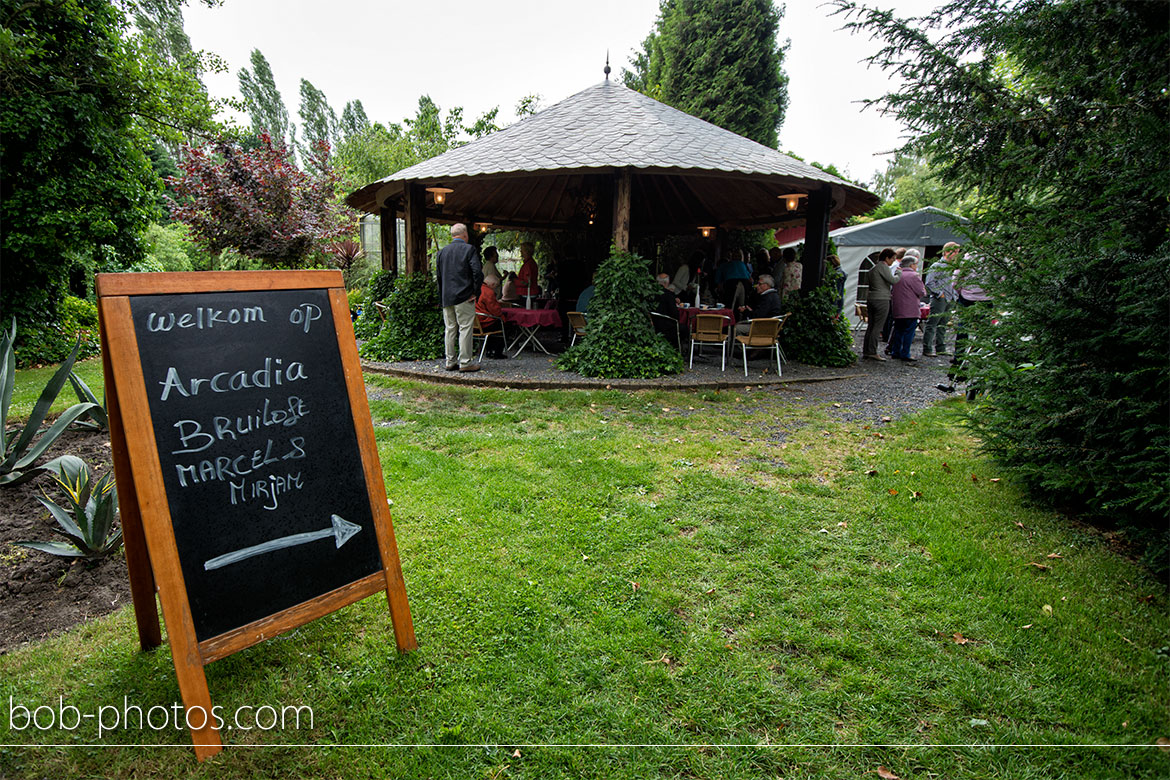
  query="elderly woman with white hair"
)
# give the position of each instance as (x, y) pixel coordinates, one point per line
(905, 306)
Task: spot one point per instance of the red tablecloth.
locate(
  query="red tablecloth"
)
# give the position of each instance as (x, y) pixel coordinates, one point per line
(527, 318)
(686, 317)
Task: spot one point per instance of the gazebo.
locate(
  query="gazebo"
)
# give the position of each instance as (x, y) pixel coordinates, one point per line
(611, 160)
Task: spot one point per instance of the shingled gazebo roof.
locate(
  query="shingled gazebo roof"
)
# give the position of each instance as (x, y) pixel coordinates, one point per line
(549, 170)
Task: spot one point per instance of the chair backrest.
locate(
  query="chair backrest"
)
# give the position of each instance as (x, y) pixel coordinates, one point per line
(711, 327)
(861, 311)
(763, 332)
(381, 308)
(577, 322)
(477, 325)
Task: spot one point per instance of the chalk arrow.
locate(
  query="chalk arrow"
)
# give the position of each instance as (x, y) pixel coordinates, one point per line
(341, 531)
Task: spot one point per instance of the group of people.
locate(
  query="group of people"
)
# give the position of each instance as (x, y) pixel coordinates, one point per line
(470, 287)
(896, 294)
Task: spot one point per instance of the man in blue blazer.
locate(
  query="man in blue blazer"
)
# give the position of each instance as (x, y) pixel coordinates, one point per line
(460, 277)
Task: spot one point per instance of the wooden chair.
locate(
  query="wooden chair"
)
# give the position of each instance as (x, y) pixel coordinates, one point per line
(711, 329)
(861, 311)
(381, 309)
(478, 332)
(577, 325)
(763, 334)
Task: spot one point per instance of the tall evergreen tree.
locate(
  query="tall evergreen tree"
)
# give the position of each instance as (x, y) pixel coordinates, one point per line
(264, 104)
(718, 60)
(1056, 112)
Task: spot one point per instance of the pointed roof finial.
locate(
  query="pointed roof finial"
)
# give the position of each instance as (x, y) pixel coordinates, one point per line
(607, 64)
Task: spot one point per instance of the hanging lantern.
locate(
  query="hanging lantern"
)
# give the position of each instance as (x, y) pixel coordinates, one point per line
(440, 194)
(706, 231)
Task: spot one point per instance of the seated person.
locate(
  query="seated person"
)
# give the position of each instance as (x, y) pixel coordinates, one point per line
(508, 289)
(682, 279)
(767, 306)
(490, 257)
(493, 323)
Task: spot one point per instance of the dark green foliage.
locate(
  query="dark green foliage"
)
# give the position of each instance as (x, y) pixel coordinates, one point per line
(718, 60)
(49, 339)
(264, 104)
(414, 322)
(1057, 112)
(620, 342)
(81, 103)
(815, 333)
(380, 286)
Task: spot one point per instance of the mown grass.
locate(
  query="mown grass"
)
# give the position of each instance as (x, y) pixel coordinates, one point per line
(715, 585)
(30, 382)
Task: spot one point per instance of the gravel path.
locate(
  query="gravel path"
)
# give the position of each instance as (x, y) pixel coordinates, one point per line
(867, 390)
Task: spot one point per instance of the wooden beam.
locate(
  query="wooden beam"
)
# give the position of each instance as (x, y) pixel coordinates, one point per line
(416, 228)
(389, 230)
(621, 210)
(816, 238)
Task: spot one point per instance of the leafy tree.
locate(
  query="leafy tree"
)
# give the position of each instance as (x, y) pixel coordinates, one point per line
(80, 98)
(318, 121)
(259, 203)
(1056, 112)
(910, 182)
(620, 342)
(264, 104)
(718, 60)
(353, 120)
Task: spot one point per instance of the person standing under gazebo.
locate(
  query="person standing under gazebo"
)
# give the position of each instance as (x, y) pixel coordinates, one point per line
(460, 278)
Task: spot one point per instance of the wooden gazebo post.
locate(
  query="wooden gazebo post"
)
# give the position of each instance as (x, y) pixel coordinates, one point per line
(389, 232)
(416, 227)
(816, 238)
(622, 186)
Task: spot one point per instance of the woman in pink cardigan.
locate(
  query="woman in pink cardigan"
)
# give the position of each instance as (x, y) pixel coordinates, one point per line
(905, 297)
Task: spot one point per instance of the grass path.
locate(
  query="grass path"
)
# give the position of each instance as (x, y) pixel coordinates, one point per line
(674, 569)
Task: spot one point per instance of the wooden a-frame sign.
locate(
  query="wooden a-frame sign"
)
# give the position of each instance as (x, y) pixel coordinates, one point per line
(248, 477)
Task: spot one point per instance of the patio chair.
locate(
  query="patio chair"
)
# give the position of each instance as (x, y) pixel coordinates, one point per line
(381, 309)
(711, 329)
(861, 311)
(667, 326)
(577, 325)
(478, 332)
(763, 334)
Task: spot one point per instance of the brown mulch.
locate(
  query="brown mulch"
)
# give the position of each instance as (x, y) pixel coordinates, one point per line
(42, 594)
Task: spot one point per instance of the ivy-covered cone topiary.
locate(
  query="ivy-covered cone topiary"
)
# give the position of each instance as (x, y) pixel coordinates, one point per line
(816, 334)
(620, 342)
(414, 322)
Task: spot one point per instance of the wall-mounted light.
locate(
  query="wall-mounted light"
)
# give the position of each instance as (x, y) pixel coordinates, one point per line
(706, 230)
(792, 199)
(440, 194)
(482, 227)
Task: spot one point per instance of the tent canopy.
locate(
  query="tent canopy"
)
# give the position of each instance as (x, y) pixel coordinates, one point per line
(925, 227)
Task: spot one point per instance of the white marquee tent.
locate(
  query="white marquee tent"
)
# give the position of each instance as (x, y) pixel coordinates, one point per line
(858, 245)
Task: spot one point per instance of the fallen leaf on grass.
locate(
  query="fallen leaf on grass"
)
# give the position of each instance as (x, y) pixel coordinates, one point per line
(842, 524)
(635, 586)
(946, 468)
(1056, 555)
(1046, 609)
(974, 478)
(994, 479)
(1027, 626)
(516, 753)
(878, 435)
(916, 495)
(893, 492)
(886, 774)
(960, 639)
(1163, 743)
(1039, 566)
(1146, 599)
(710, 591)
(868, 401)
(1019, 524)
(871, 473)
(887, 419)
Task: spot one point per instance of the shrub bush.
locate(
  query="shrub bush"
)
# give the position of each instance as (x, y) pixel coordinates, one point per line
(50, 338)
(620, 342)
(816, 334)
(414, 322)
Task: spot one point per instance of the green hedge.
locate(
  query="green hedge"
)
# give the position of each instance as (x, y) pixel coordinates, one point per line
(620, 342)
(414, 322)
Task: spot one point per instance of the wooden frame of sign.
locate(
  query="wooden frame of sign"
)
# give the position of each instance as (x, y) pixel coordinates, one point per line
(227, 393)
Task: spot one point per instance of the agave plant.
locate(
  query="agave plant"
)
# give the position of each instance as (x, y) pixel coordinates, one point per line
(97, 418)
(87, 519)
(18, 452)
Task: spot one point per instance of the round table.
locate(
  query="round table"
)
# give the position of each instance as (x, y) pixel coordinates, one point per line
(686, 316)
(530, 321)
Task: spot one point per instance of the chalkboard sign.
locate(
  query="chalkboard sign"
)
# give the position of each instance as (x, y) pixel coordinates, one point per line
(246, 467)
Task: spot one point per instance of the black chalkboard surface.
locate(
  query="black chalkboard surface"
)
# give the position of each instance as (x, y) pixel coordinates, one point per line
(256, 444)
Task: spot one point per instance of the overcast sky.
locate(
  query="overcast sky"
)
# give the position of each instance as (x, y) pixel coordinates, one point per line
(478, 55)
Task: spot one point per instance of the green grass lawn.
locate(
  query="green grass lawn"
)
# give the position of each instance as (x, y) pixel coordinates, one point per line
(30, 382)
(700, 585)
